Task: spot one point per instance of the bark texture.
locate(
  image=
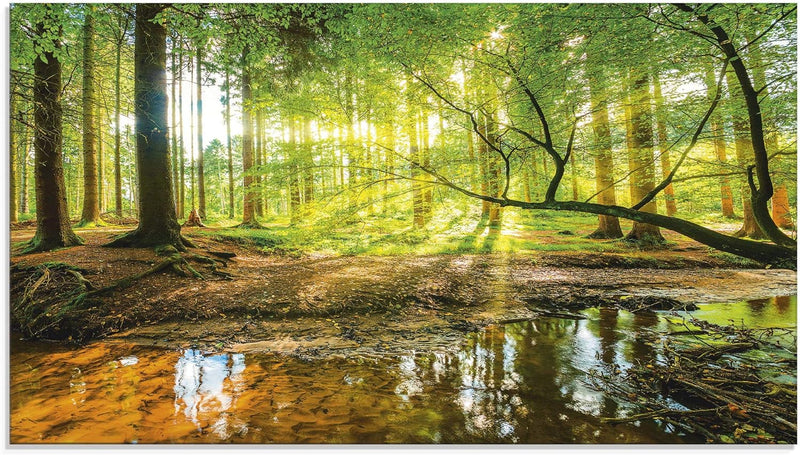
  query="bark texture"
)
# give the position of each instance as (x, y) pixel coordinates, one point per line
(53, 229)
(158, 223)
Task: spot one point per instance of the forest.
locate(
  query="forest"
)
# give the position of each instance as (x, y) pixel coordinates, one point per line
(419, 195)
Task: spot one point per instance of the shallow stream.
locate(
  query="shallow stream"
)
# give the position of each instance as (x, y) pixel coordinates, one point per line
(522, 382)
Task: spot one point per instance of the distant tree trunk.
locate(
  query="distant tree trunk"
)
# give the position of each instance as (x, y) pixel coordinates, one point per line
(101, 201)
(781, 209)
(427, 191)
(118, 123)
(192, 159)
(663, 146)
(294, 178)
(641, 157)
(413, 154)
(494, 171)
(117, 137)
(483, 166)
(718, 132)
(201, 178)
(608, 226)
(259, 140)
(52, 220)
(248, 207)
(308, 159)
(13, 154)
(231, 206)
(23, 178)
(91, 208)
(173, 132)
(158, 224)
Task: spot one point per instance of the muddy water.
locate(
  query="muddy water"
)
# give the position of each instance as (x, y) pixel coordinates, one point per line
(520, 383)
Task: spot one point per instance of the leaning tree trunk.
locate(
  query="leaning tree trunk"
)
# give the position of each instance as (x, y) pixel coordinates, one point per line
(158, 224)
(759, 180)
(608, 226)
(91, 207)
(744, 151)
(641, 157)
(52, 220)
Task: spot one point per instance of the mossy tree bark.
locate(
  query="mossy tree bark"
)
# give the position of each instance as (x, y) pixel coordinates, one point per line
(52, 219)
(158, 224)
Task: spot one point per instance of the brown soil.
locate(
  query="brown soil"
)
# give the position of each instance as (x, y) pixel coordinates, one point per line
(373, 304)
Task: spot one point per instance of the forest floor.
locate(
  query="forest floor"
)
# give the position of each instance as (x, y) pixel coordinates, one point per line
(314, 304)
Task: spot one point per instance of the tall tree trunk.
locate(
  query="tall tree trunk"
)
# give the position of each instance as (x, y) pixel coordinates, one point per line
(718, 132)
(118, 121)
(608, 226)
(52, 220)
(181, 205)
(158, 224)
(259, 145)
(101, 201)
(13, 154)
(192, 158)
(641, 156)
(231, 206)
(201, 178)
(248, 207)
(173, 132)
(91, 208)
(663, 146)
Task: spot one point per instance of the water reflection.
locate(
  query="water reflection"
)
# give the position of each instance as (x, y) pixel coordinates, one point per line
(518, 383)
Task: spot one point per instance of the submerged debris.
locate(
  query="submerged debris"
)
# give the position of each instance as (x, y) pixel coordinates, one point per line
(721, 382)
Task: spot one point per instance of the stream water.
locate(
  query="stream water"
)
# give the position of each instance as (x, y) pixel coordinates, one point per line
(523, 382)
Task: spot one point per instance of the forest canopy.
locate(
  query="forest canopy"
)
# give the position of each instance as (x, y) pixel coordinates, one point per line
(321, 115)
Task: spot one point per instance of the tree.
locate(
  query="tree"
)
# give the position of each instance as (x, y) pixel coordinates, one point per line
(249, 207)
(91, 205)
(608, 226)
(52, 220)
(640, 150)
(158, 223)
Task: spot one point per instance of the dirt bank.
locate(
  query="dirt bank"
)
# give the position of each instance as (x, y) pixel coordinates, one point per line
(372, 304)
